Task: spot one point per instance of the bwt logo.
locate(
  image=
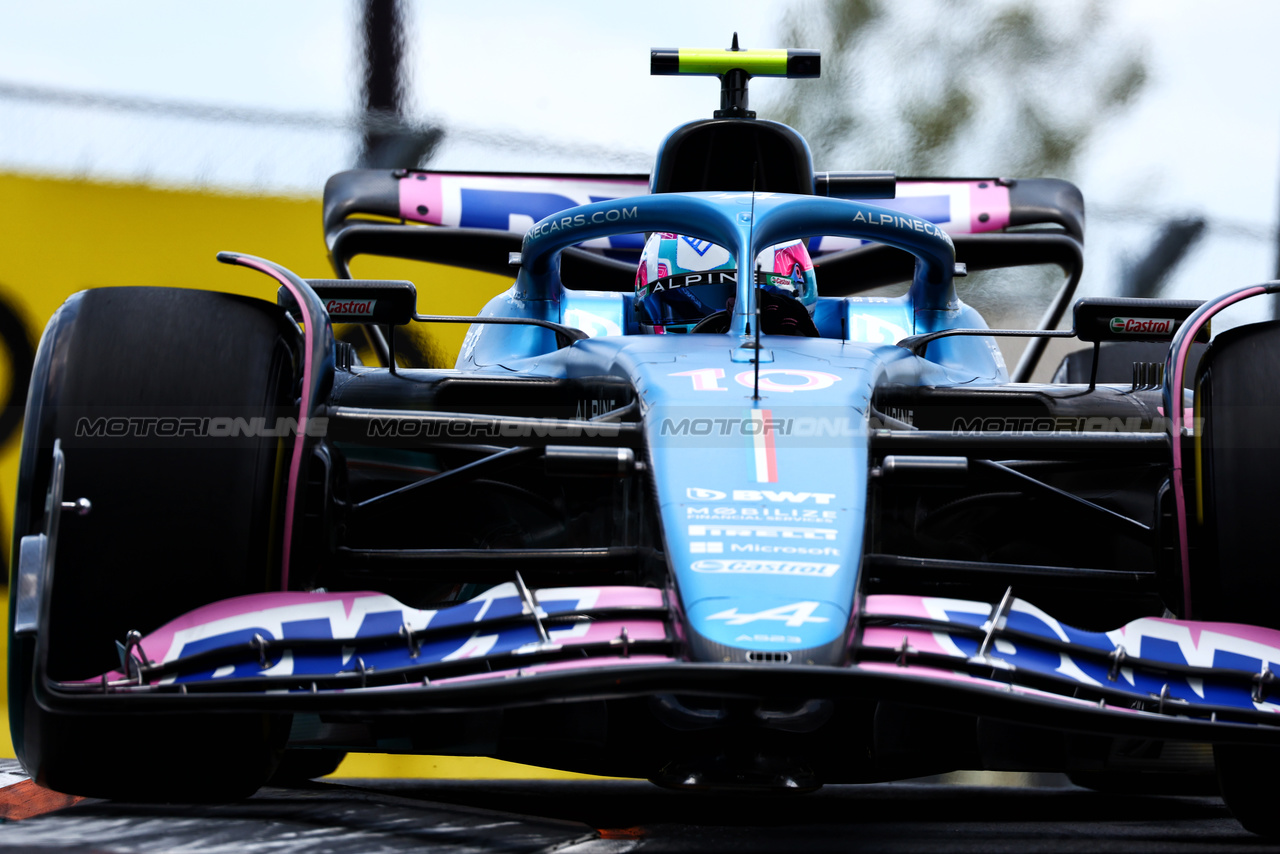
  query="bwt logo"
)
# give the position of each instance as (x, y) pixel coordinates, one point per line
(351, 307)
(758, 495)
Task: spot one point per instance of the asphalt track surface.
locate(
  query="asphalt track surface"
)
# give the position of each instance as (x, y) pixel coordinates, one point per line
(611, 817)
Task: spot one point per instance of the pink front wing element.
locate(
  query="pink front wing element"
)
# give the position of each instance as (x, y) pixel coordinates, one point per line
(160, 643)
(941, 675)
(1198, 644)
(889, 605)
(576, 664)
(889, 638)
(610, 630)
(620, 597)
(421, 198)
(270, 609)
(990, 200)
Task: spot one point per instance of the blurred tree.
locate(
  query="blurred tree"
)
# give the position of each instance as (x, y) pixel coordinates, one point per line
(1145, 277)
(972, 87)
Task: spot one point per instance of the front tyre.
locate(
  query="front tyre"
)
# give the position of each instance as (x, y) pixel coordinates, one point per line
(1238, 580)
(180, 518)
(1238, 460)
(1246, 778)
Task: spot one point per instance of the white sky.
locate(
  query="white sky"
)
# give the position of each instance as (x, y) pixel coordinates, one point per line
(1204, 137)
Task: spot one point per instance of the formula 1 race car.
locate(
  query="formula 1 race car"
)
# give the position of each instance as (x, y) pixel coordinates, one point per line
(691, 506)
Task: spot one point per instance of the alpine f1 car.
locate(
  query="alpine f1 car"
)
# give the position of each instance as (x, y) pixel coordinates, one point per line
(690, 507)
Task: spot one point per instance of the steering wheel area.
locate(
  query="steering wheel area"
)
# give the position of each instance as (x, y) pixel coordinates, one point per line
(718, 322)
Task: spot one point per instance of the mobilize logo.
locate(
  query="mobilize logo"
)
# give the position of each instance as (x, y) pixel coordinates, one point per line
(351, 307)
(757, 495)
(757, 514)
(1142, 325)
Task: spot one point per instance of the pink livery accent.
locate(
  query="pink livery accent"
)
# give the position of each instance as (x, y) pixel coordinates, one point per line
(615, 597)
(940, 675)
(551, 667)
(1188, 413)
(345, 612)
(609, 630)
(436, 197)
(1198, 643)
(785, 258)
(1179, 364)
(989, 199)
(159, 645)
(295, 464)
(422, 198)
(890, 638)
(896, 606)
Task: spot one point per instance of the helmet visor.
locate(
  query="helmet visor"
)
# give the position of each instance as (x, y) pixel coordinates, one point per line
(685, 298)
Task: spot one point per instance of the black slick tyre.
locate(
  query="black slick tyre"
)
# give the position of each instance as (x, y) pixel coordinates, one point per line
(1237, 580)
(178, 520)
(1247, 783)
(1238, 465)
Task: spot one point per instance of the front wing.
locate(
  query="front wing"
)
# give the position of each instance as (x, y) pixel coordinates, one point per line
(1156, 678)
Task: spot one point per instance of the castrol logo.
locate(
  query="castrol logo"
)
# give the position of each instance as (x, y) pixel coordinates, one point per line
(1142, 325)
(351, 307)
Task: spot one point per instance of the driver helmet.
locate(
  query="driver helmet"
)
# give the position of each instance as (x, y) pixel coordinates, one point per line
(682, 280)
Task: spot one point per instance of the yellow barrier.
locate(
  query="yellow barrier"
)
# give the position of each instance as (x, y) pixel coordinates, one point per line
(59, 236)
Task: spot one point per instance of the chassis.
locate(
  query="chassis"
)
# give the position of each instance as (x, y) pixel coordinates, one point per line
(711, 560)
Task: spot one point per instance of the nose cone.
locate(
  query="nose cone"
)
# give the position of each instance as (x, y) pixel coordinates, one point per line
(767, 629)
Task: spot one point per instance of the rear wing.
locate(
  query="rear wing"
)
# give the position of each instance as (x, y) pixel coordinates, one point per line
(480, 218)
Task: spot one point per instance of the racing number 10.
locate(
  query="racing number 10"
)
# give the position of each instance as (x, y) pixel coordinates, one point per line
(705, 379)
(708, 379)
